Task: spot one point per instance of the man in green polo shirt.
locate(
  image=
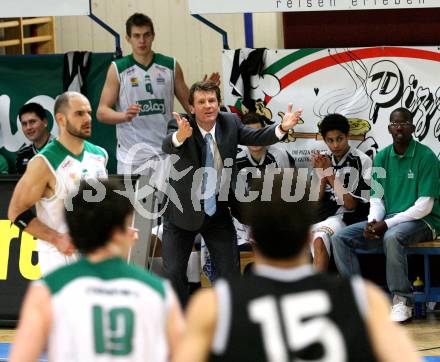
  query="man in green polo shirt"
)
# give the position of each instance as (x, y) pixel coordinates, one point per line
(404, 209)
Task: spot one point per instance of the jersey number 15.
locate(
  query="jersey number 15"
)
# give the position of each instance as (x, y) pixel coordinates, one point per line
(303, 318)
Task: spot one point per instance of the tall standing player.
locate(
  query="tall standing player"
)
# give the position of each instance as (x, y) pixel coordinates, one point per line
(142, 86)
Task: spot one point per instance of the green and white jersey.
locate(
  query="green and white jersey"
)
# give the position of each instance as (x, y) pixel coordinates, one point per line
(68, 170)
(152, 87)
(108, 311)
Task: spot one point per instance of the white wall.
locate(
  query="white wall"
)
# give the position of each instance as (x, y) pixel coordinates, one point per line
(193, 44)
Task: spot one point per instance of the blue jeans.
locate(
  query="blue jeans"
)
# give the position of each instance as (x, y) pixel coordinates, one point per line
(393, 242)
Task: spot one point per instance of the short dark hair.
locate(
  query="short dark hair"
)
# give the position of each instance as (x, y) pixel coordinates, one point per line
(253, 118)
(138, 19)
(405, 112)
(91, 223)
(204, 86)
(334, 121)
(280, 228)
(33, 108)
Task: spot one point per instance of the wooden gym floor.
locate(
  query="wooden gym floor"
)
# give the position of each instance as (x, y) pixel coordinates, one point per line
(424, 333)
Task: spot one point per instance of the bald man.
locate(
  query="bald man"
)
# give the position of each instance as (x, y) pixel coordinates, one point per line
(54, 173)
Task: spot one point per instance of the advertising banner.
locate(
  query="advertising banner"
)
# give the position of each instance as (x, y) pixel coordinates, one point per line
(364, 84)
(265, 6)
(29, 8)
(18, 258)
(39, 79)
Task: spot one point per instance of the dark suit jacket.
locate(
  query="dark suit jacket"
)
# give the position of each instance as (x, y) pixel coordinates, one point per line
(229, 133)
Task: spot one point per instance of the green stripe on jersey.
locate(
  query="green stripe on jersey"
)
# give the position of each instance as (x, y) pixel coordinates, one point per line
(128, 61)
(124, 63)
(55, 152)
(163, 60)
(108, 269)
(96, 150)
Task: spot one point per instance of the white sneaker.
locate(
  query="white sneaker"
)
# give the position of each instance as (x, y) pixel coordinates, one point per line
(400, 312)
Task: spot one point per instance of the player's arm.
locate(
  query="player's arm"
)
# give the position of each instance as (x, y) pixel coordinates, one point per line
(341, 192)
(109, 97)
(324, 168)
(317, 164)
(389, 340)
(30, 188)
(201, 322)
(175, 325)
(322, 186)
(34, 326)
(181, 89)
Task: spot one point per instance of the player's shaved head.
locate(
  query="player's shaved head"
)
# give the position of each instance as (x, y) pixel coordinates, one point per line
(62, 103)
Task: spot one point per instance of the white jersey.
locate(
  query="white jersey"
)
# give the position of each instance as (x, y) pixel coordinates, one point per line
(108, 311)
(152, 87)
(68, 170)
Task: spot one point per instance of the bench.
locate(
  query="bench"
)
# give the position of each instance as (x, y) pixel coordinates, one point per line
(428, 248)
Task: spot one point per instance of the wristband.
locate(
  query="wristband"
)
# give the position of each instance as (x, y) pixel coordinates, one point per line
(23, 220)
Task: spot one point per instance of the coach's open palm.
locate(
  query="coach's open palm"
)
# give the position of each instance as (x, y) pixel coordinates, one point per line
(291, 119)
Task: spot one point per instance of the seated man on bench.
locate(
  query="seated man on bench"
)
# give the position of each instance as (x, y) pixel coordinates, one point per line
(404, 209)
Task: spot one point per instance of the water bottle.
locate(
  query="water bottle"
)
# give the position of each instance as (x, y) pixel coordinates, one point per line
(419, 307)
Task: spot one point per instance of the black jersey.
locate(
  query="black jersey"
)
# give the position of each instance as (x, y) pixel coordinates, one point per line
(248, 168)
(274, 157)
(291, 315)
(24, 155)
(354, 172)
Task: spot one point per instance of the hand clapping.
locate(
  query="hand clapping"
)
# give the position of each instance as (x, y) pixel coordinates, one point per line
(321, 163)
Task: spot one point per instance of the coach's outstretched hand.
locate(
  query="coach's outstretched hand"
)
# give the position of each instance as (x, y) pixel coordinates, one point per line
(184, 130)
(290, 119)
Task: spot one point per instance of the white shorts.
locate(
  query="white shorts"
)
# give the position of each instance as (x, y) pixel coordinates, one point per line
(243, 232)
(326, 229)
(51, 260)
